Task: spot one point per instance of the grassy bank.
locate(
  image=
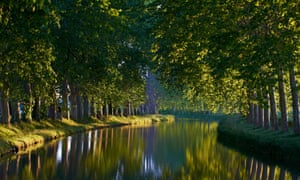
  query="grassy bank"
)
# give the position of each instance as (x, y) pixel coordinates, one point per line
(23, 135)
(273, 146)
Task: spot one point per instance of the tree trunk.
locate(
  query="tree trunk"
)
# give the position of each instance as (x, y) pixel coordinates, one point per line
(86, 107)
(5, 107)
(106, 109)
(74, 103)
(295, 101)
(92, 108)
(129, 109)
(251, 108)
(151, 106)
(251, 113)
(52, 111)
(66, 99)
(121, 111)
(272, 172)
(260, 109)
(54, 105)
(266, 112)
(256, 115)
(282, 174)
(100, 111)
(4, 169)
(282, 99)
(29, 102)
(273, 119)
(79, 106)
(265, 171)
(111, 107)
(16, 111)
(260, 116)
(37, 109)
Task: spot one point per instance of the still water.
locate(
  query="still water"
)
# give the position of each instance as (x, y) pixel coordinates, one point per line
(179, 150)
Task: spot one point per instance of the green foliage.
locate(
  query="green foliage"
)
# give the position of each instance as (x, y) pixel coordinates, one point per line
(91, 45)
(213, 53)
(218, 50)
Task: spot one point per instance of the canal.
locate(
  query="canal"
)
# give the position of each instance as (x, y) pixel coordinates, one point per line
(179, 150)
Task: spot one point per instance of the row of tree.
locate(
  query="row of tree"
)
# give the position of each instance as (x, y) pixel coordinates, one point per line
(85, 55)
(233, 56)
(71, 58)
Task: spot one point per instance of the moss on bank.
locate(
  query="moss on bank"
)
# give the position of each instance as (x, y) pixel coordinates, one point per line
(273, 146)
(22, 135)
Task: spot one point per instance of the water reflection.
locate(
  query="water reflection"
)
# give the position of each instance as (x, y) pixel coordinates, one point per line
(181, 150)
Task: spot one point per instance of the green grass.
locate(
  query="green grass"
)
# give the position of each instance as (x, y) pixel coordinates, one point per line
(20, 136)
(273, 146)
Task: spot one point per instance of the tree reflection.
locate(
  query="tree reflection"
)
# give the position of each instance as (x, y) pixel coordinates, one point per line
(182, 150)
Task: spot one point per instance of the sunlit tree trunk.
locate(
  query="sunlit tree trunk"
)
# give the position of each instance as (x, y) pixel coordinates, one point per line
(282, 99)
(295, 100)
(273, 118)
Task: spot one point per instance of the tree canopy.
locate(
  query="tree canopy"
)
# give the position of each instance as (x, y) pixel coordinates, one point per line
(227, 56)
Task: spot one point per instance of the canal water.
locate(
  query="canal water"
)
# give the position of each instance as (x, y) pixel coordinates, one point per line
(184, 149)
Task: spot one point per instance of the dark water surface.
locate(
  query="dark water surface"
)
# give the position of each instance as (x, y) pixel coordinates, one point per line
(179, 150)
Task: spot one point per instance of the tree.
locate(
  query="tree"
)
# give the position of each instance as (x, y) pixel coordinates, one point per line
(27, 53)
(208, 47)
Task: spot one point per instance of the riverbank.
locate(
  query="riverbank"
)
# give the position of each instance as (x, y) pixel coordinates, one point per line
(273, 146)
(20, 136)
